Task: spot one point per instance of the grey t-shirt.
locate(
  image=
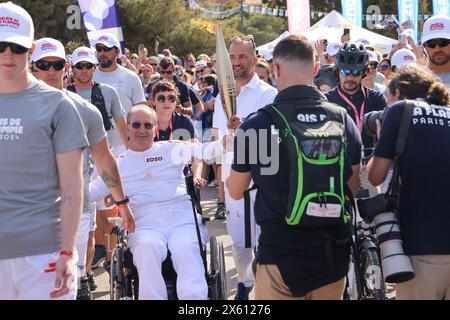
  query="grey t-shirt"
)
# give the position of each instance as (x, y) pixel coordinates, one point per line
(112, 104)
(35, 125)
(128, 86)
(445, 77)
(95, 132)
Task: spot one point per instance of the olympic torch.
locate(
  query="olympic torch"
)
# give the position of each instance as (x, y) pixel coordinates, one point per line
(227, 84)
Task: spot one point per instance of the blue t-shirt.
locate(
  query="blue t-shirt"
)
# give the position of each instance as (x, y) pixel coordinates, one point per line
(298, 253)
(182, 126)
(424, 197)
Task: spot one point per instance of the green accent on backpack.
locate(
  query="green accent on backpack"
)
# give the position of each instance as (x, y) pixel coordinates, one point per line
(316, 153)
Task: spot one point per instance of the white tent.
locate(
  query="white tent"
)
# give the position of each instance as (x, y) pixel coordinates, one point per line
(271, 45)
(331, 28)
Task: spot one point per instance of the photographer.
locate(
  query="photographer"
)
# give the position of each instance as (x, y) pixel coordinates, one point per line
(424, 201)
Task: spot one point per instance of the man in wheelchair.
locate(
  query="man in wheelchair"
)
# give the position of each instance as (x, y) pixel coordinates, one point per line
(153, 179)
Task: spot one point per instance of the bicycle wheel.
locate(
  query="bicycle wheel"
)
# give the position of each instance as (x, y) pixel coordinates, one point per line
(373, 285)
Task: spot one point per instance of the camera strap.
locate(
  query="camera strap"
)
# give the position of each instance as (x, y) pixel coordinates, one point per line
(405, 123)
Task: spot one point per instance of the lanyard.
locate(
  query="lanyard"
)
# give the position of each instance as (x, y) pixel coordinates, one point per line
(359, 117)
(170, 128)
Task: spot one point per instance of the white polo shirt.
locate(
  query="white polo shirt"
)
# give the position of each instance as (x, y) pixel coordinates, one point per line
(253, 96)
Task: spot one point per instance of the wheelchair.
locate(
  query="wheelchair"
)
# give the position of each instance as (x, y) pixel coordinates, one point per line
(124, 278)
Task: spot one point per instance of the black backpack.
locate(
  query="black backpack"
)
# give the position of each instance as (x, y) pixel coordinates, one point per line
(97, 100)
(315, 142)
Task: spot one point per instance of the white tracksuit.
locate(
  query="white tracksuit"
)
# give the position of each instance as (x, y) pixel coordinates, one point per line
(154, 182)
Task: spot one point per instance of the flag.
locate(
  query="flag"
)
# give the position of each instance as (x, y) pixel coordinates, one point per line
(388, 23)
(101, 16)
(298, 12)
(409, 10)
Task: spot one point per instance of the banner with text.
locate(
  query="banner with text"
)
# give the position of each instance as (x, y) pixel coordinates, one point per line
(299, 16)
(352, 10)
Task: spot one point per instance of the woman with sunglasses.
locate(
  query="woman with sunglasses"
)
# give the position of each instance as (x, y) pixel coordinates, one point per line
(369, 79)
(170, 124)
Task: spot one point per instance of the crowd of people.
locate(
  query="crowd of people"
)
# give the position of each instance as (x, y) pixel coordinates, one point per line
(93, 132)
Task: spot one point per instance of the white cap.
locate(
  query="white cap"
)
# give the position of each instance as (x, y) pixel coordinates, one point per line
(436, 27)
(333, 48)
(373, 57)
(268, 56)
(201, 64)
(108, 40)
(403, 57)
(83, 54)
(16, 25)
(365, 42)
(48, 47)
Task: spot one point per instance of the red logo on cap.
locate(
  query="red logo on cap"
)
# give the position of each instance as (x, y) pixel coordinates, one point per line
(437, 26)
(103, 38)
(10, 22)
(83, 54)
(408, 57)
(49, 46)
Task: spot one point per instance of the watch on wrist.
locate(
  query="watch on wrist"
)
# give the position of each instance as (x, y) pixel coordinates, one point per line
(121, 202)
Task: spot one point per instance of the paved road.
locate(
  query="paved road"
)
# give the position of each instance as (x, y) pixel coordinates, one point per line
(215, 228)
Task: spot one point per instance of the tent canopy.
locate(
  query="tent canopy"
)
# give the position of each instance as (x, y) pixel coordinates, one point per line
(331, 28)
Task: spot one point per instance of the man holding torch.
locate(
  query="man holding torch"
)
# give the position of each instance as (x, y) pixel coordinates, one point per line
(235, 102)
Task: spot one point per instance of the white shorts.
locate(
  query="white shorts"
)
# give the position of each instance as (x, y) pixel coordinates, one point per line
(82, 242)
(93, 215)
(25, 278)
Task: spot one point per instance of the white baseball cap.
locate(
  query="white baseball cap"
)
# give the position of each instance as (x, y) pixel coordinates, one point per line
(108, 40)
(333, 48)
(48, 47)
(373, 57)
(268, 56)
(365, 42)
(436, 27)
(16, 25)
(83, 54)
(403, 57)
(201, 64)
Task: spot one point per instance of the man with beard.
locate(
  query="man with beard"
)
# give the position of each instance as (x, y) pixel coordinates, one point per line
(436, 40)
(252, 94)
(352, 61)
(126, 82)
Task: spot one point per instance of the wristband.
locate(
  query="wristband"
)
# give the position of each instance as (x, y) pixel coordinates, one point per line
(66, 253)
(124, 201)
(123, 205)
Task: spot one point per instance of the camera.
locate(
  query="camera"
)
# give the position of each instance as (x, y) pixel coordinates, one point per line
(378, 211)
(369, 121)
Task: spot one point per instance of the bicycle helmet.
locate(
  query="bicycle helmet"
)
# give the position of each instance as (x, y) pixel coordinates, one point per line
(326, 75)
(352, 56)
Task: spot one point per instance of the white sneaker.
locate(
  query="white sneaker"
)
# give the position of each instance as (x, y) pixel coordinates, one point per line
(212, 184)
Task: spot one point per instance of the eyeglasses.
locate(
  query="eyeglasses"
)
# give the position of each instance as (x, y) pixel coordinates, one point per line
(147, 125)
(245, 38)
(200, 70)
(165, 72)
(15, 48)
(104, 49)
(437, 42)
(81, 66)
(383, 67)
(354, 73)
(162, 98)
(46, 65)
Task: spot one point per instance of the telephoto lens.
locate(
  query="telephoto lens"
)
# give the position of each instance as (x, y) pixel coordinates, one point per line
(396, 265)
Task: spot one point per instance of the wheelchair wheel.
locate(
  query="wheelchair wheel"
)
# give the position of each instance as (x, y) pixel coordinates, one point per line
(373, 287)
(117, 278)
(217, 274)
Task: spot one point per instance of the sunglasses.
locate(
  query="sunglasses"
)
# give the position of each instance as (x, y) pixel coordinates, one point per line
(162, 98)
(384, 67)
(200, 70)
(354, 73)
(104, 49)
(46, 65)
(245, 38)
(15, 48)
(147, 125)
(437, 42)
(373, 65)
(87, 65)
(165, 72)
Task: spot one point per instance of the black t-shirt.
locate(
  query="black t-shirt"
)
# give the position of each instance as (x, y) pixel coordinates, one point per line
(193, 95)
(183, 129)
(298, 253)
(183, 90)
(375, 101)
(424, 196)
